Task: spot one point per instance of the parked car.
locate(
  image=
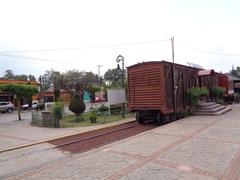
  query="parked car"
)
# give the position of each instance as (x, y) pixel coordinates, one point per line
(26, 106)
(35, 104)
(6, 107)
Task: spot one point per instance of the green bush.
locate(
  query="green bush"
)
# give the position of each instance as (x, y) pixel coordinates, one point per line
(217, 93)
(57, 112)
(93, 116)
(77, 105)
(103, 108)
(196, 94)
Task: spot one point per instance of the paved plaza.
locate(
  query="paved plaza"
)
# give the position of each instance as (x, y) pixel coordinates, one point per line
(197, 147)
(19, 133)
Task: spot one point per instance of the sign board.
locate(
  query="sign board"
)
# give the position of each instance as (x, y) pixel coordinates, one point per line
(116, 96)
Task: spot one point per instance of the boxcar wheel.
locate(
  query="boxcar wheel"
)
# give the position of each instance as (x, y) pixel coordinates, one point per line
(139, 117)
(159, 118)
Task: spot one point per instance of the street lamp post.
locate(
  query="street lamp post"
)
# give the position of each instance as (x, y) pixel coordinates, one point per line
(121, 58)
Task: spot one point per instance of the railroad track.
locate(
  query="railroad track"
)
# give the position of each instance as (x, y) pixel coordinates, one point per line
(89, 140)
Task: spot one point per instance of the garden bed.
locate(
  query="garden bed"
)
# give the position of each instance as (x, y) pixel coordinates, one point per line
(70, 120)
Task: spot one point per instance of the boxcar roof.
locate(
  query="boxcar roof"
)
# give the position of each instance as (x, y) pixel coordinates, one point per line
(160, 62)
(210, 72)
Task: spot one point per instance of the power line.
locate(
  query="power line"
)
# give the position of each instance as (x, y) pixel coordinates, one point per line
(86, 47)
(205, 51)
(32, 58)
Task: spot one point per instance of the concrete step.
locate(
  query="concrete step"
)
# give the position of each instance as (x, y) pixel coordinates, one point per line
(210, 106)
(211, 109)
(207, 104)
(222, 111)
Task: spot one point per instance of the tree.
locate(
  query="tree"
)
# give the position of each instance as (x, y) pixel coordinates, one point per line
(31, 77)
(20, 91)
(73, 80)
(235, 72)
(113, 77)
(8, 74)
(90, 78)
(57, 80)
(92, 90)
(45, 80)
(76, 80)
(77, 105)
(54, 78)
(21, 77)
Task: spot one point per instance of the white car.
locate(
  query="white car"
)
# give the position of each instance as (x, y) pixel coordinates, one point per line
(34, 105)
(6, 107)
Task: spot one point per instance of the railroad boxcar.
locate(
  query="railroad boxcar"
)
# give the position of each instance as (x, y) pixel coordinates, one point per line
(151, 89)
(223, 82)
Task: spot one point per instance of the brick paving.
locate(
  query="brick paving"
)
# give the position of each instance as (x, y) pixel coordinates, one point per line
(192, 148)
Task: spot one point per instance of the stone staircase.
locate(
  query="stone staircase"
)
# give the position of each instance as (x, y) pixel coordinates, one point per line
(211, 109)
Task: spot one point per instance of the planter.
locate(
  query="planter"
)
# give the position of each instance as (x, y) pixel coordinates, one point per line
(49, 121)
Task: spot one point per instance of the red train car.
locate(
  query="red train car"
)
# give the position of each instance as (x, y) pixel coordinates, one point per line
(151, 88)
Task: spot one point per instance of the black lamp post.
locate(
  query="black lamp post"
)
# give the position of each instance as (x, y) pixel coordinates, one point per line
(121, 58)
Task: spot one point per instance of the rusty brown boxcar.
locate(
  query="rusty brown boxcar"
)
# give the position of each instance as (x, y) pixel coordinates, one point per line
(151, 89)
(223, 81)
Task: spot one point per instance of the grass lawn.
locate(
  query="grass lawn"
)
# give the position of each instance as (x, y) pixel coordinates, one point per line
(70, 120)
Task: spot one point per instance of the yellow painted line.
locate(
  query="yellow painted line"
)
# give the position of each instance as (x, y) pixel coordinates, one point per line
(64, 136)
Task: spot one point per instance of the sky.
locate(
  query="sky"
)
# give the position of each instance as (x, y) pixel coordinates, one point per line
(39, 35)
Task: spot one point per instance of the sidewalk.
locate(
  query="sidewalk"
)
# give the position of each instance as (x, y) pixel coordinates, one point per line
(15, 133)
(192, 148)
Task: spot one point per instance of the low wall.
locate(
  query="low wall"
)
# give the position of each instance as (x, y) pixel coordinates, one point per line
(44, 119)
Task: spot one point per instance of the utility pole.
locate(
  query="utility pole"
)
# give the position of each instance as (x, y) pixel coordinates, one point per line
(174, 83)
(99, 66)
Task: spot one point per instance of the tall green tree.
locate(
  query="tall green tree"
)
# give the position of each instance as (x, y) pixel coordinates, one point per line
(113, 77)
(19, 91)
(8, 74)
(90, 78)
(77, 105)
(57, 79)
(52, 78)
(75, 80)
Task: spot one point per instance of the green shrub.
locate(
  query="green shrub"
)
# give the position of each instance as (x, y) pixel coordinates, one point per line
(57, 112)
(77, 105)
(217, 93)
(93, 116)
(196, 93)
(103, 108)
